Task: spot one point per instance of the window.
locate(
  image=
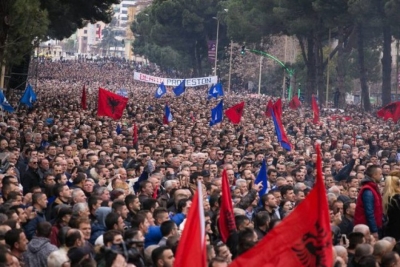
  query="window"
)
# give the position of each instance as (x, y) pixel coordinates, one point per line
(85, 32)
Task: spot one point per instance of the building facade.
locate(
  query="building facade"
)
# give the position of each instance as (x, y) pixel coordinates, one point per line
(89, 37)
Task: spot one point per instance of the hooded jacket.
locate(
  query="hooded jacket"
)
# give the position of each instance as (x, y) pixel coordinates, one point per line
(99, 225)
(39, 248)
(153, 236)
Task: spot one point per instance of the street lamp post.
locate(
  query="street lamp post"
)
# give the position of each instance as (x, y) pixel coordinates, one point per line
(230, 68)
(259, 77)
(290, 72)
(216, 47)
(284, 87)
(328, 72)
(397, 69)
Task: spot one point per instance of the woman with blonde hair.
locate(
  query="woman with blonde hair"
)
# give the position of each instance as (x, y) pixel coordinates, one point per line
(391, 205)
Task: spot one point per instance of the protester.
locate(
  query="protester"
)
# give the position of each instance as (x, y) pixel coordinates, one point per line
(391, 202)
(85, 188)
(369, 209)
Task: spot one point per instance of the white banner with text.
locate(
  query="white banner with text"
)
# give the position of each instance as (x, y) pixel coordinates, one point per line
(190, 82)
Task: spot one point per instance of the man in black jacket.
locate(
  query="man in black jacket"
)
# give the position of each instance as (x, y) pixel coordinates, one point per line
(346, 226)
(31, 177)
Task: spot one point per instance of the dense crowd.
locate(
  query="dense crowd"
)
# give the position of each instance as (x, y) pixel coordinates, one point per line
(69, 187)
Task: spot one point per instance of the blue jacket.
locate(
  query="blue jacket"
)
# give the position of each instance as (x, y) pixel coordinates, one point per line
(153, 236)
(368, 199)
(99, 226)
(30, 227)
(178, 218)
(97, 230)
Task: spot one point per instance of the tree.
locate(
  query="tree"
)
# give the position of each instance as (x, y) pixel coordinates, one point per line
(184, 26)
(366, 22)
(22, 22)
(341, 28)
(69, 46)
(261, 18)
(67, 16)
(109, 39)
(388, 11)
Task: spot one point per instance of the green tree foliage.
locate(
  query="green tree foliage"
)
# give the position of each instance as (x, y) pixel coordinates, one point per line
(392, 9)
(251, 21)
(388, 11)
(24, 21)
(296, 18)
(364, 26)
(108, 40)
(182, 28)
(367, 23)
(69, 46)
(341, 28)
(67, 16)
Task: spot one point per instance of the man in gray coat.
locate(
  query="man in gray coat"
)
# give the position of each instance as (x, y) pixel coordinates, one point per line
(39, 248)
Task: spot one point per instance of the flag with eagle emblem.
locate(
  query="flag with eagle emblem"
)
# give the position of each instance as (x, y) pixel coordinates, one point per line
(110, 104)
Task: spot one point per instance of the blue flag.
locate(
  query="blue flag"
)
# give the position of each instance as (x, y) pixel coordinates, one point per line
(262, 177)
(28, 97)
(142, 177)
(122, 92)
(118, 130)
(217, 113)
(215, 91)
(4, 103)
(180, 89)
(161, 90)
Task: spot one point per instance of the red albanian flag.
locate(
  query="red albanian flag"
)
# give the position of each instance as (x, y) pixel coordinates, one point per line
(270, 106)
(234, 114)
(390, 111)
(294, 103)
(110, 104)
(301, 241)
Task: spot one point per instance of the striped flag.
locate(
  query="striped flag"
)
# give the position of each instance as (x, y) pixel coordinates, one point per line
(192, 250)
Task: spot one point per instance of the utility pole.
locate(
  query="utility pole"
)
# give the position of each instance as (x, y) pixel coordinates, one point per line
(230, 68)
(328, 72)
(259, 77)
(284, 74)
(216, 47)
(397, 70)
